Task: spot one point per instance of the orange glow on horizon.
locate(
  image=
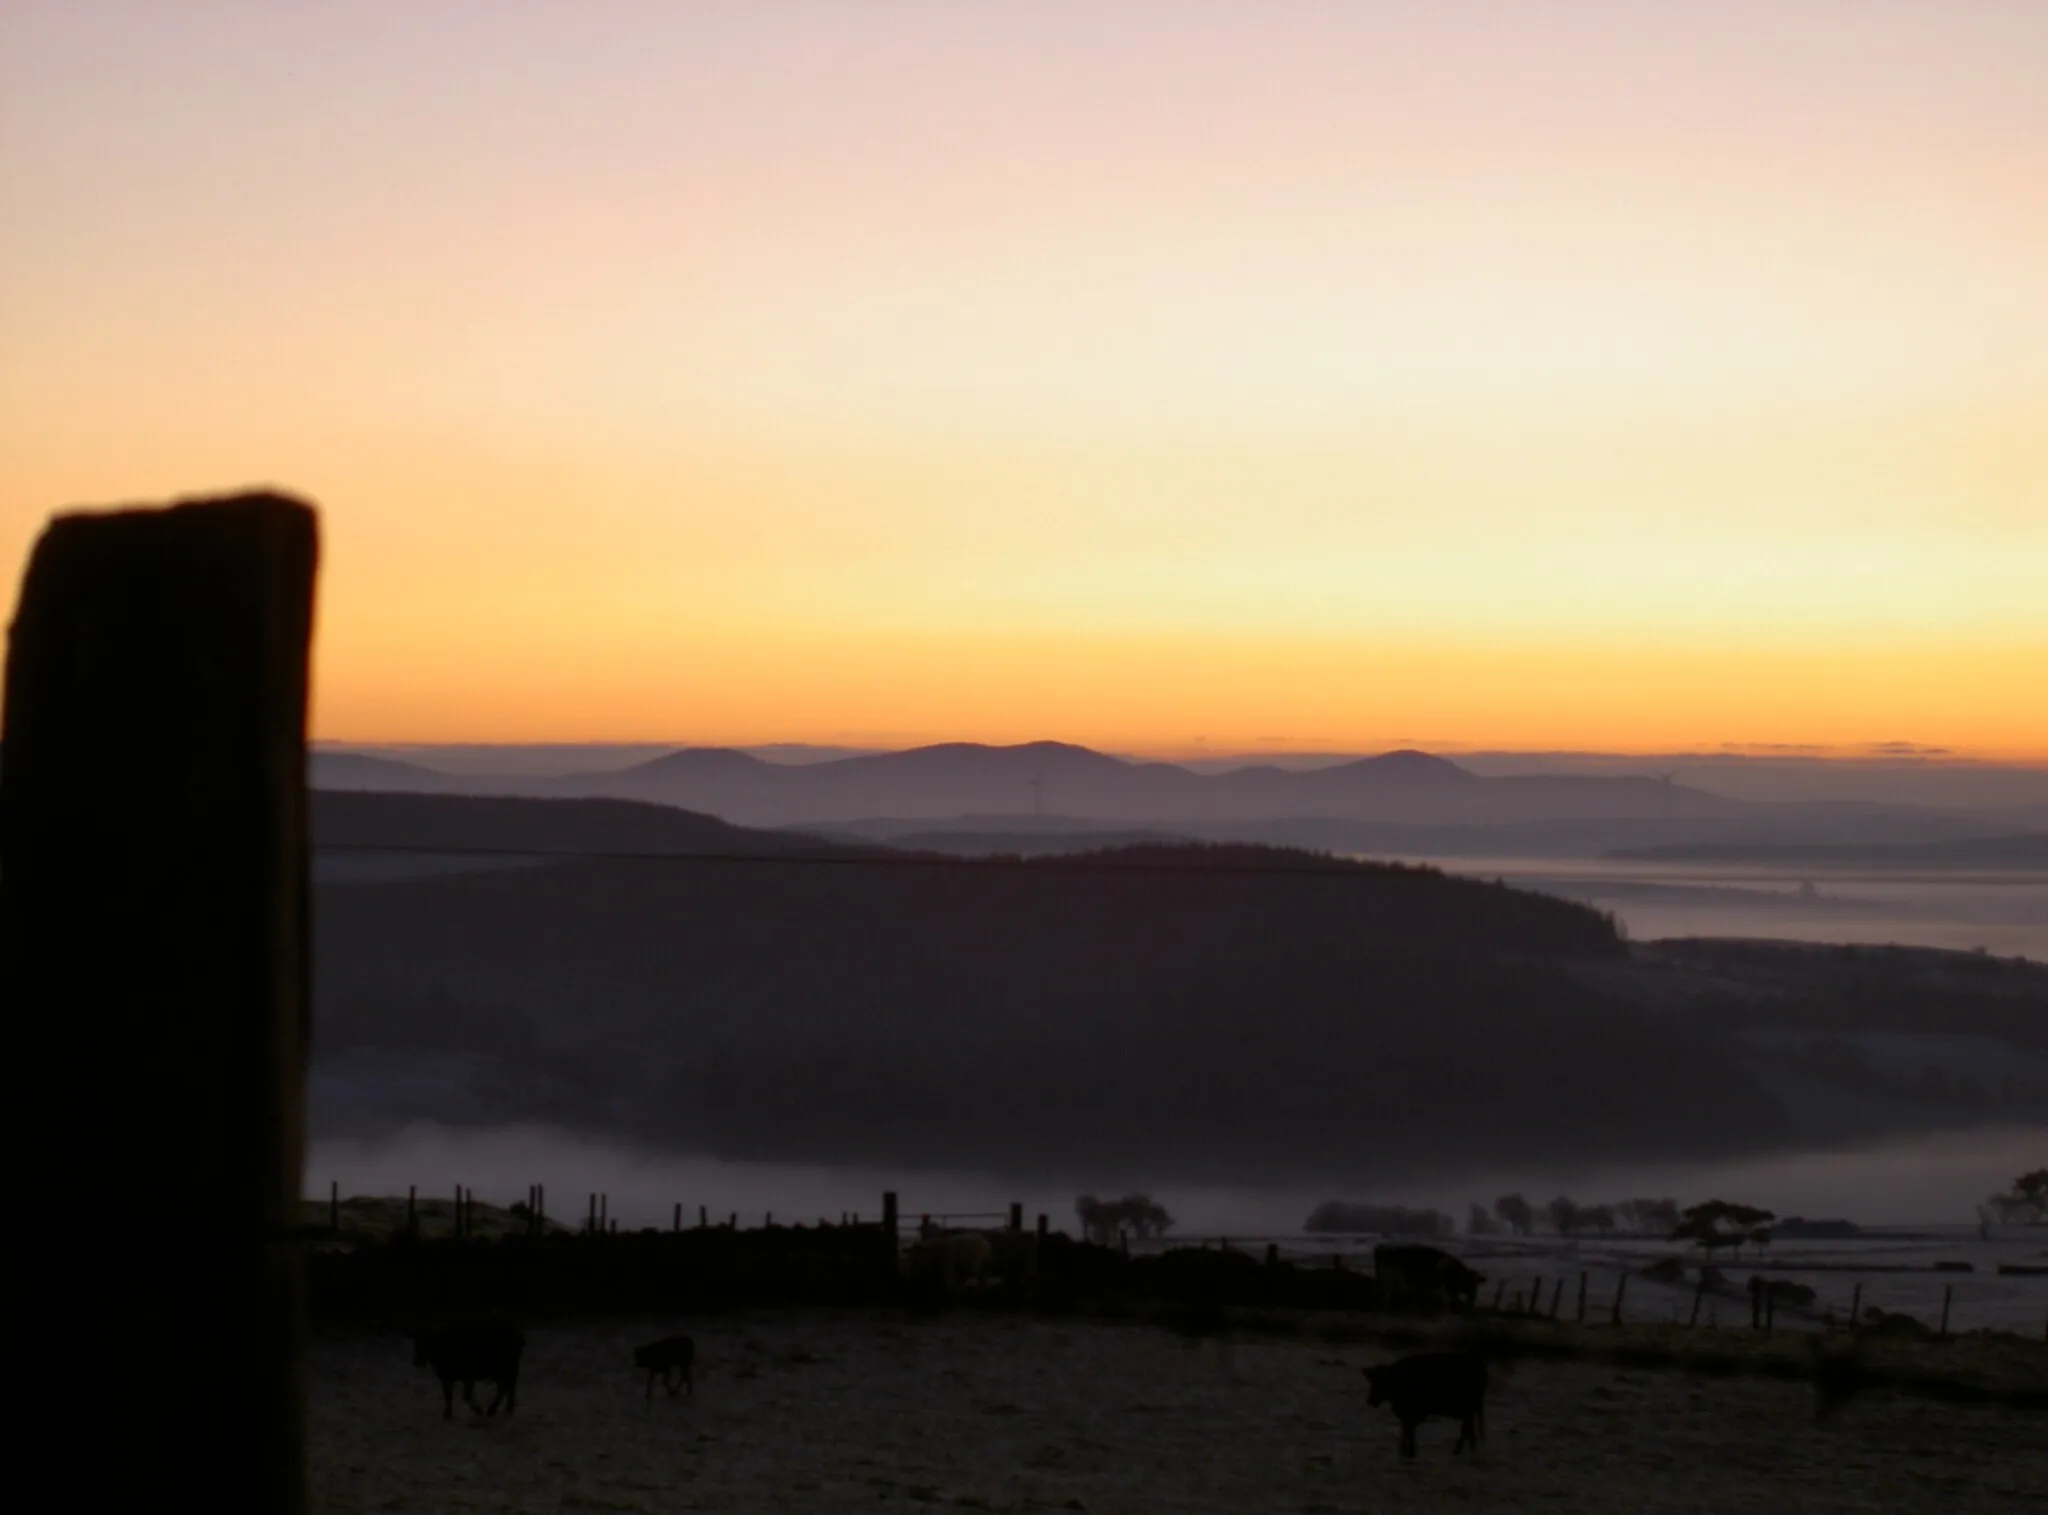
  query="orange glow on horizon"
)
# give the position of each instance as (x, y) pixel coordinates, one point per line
(1163, 378)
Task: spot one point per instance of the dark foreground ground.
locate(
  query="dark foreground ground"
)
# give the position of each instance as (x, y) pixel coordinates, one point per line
(832, 1410)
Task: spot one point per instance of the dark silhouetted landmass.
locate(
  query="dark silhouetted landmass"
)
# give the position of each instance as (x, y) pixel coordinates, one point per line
(1224, 1012)
(1228, 1011)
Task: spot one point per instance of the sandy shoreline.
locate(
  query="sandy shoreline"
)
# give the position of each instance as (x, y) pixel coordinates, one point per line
(825, 1411)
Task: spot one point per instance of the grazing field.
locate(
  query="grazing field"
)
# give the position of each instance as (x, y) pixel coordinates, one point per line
(800, 1410)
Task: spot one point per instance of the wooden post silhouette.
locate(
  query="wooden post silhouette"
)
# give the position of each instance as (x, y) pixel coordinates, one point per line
(1856, 1307)
(334, 1206)
(153, 910)
(1699, 1293)
(1620, 1293)
(1016, 1215)
(1582, 1297)
(1948, 1294)
(703, 1216)
(677, 1225)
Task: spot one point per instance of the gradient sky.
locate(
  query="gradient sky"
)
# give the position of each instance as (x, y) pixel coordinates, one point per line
(1592, 373)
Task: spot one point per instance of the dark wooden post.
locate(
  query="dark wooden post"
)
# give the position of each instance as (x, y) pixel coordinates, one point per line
(1582, 1297)
(1699, 1293)
(703, 1216)
(1620, 1293)
(1499, 1288)
(677, 1224)
(1556, 1298)
(1948, 1294)
(334, 1206)
(1016, 1215)
(540, 1210)
(1856, 1307)
(153, 944)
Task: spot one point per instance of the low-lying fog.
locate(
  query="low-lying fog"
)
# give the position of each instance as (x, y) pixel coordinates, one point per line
(1923, 1180)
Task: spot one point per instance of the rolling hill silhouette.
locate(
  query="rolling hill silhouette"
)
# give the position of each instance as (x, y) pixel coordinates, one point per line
(959, 778)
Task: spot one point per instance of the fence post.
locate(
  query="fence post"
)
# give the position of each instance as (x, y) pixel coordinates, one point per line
(1556, 1298)
(1620, 1293)
(153, 931)
(334, 1206)
(1699, 1293)
(1499, 1288)
(677, 1224)
(703, 1217)
(1948, 1294)
(1582, 1297)
(1856, 1307)
(540, 1211)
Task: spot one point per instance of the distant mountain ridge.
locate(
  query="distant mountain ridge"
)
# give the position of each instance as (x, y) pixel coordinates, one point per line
(960, 778)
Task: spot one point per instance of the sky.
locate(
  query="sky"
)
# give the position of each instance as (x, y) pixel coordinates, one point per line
(1160, 374)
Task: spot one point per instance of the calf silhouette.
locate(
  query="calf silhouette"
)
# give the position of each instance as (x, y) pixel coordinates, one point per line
(464, 1353)
(670, 1359)
(1451, 1384)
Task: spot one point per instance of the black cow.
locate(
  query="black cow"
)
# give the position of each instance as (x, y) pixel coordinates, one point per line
(670, 1359)
(464, 1353)
(1451, 1384)
(1424, 1278)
